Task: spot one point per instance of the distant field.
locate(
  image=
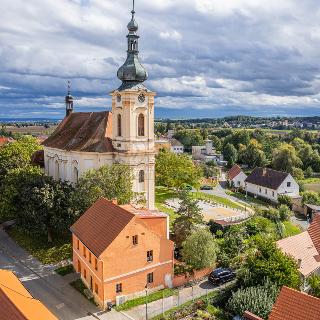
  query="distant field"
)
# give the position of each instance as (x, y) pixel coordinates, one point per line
(312, 184)
(32, 130)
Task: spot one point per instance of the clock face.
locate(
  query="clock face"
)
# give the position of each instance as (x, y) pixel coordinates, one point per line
(141, 98)
(119, 98)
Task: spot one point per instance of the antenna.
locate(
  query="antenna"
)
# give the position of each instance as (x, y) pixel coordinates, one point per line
(133, 12)
(69, 87)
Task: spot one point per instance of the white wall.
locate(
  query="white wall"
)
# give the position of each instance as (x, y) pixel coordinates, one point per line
(238, 181)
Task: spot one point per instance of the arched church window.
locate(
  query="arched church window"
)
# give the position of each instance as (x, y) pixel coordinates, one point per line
(141, 125)
(132, 45)
(141, 176)
(119, 125)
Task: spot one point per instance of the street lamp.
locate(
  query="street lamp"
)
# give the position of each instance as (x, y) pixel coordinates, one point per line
(146, 287)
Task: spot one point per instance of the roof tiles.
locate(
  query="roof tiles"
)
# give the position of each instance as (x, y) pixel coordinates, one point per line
(267, 178)
(233, 172)
(295, 305)
(83, 131)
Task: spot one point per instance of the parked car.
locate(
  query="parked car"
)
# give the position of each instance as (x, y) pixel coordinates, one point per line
(187, 187)
(206, 187)
(221, 275)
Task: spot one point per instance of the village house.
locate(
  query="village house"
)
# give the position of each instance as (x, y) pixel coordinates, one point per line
(305, 249)
(120, 251)
(176, 146)
(207, 153)
(236, 177)
(16, 302)
(270, 184)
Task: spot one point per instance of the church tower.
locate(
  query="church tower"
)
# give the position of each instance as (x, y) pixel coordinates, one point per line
(133, 119)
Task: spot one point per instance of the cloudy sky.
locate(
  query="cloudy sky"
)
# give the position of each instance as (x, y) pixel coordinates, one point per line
(205, 58)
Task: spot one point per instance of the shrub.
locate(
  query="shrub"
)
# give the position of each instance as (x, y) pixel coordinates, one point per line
(258, 300)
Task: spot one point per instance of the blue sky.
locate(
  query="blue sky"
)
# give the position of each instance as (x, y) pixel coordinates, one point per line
(206, 58)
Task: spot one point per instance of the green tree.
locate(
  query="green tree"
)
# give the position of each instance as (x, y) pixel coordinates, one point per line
(174, 170)
(297, 173)
(189, 218)
(309, 172)
(253, 155)
(284, 199)
(268, 261)
(310, 197)
(230, 154)
(16, 181)
(285, 158)
(110, 182)
(314, 283)
(258, 300)
(199, 250)
(216, 142)
(42, 206)
(17, 154)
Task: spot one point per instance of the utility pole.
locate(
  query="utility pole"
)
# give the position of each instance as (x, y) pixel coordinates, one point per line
(146, 302)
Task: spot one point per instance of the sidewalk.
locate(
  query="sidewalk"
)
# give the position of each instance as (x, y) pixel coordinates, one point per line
(158, 307)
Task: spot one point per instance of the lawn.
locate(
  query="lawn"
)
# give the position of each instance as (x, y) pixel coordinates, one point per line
(151, 297)
(311, 184)
(249, 199)
(163, 194)
(291, 229)
(60, 249)
(220, 200)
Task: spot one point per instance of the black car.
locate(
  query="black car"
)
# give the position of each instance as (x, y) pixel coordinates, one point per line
(206, 188)
(221, 275)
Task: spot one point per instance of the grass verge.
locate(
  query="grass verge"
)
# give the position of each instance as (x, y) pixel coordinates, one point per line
(63, 271)
(249, 199)
(217, 199)
(142, 300)
(46, 253)
(291, 229)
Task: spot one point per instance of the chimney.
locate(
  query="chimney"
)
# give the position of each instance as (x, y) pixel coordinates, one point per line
(264, 171)
(114, 201)
(299, 263)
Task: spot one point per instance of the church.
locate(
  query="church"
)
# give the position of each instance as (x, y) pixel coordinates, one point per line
(87, 140)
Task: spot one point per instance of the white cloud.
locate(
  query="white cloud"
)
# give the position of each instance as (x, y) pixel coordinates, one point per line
(173, 35)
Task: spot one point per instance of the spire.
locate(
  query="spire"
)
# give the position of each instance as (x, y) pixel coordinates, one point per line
(69, 100)
(132, 72)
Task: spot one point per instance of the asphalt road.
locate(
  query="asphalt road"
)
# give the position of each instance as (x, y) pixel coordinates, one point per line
(53, 290)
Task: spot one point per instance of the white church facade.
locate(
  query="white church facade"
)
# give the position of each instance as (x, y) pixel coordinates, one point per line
(87, 140)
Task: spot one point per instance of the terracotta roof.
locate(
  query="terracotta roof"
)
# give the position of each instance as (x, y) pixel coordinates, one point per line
(83, 131)
(100, 225)
(295, 305)
(301, 247)
(16, 303)
(5, 140)
(250, 316)
(267, 178)
(314, 232)
(233, 172)
(37, 158)
(144, 213)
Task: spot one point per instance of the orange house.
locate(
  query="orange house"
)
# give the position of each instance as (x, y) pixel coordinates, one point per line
(120, 251)
(16, 303)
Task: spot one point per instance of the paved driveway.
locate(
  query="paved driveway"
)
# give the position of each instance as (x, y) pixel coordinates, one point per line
(44, 284)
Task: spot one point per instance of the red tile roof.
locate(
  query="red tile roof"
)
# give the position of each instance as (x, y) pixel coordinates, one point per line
(4, 140)
(267, 178)
(233, 172)
(83, 131)
(295, 305)
(100, 225)
(250, 316)
(314, 232)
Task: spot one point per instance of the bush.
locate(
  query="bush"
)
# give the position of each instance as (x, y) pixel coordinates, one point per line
(258, 300)
(284, 199)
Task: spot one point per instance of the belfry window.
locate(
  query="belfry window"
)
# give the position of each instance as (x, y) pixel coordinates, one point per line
(119, 125)
(141, 125)
(141, 176)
